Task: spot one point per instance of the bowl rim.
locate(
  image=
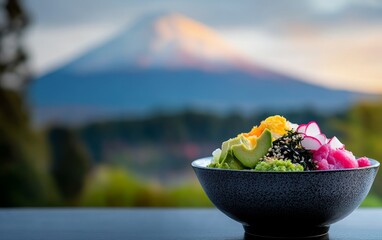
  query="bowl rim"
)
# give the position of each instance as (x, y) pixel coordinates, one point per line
(194, 164)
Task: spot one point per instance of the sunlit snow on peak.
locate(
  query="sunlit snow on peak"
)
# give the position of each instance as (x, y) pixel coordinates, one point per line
(170, 41)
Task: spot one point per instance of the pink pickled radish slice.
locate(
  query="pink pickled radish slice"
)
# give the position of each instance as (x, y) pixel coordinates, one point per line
(363, 162)
(301, 128)
(312, 129)
(344, 159)
(335, 143)
(322, 138)
(311, 143)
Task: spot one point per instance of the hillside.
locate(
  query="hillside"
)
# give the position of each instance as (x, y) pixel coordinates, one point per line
(170, 63)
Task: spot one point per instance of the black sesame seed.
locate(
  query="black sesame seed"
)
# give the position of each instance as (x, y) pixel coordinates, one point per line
(289, 147)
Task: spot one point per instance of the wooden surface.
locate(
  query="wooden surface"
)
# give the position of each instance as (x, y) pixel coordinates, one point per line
(146, 223)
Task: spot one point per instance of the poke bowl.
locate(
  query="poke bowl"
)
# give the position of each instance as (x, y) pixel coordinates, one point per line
(286, 204)
(279, 198)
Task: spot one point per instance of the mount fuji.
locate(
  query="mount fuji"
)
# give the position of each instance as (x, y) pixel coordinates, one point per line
(170, 62)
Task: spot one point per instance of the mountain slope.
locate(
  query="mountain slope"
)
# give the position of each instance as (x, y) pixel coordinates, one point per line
(170, 62)
(171, 41)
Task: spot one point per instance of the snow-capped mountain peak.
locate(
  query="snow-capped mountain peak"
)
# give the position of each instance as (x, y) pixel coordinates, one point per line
(170, 62)
(170, 41)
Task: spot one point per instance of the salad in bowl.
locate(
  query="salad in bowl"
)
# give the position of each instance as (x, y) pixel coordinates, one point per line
(285, 180)
(279, 145)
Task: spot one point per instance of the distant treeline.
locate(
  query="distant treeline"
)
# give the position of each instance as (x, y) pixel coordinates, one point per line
(146, 162)
(358, 127)
(187, 126)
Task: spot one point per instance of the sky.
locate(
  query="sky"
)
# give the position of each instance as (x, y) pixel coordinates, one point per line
(335, 43)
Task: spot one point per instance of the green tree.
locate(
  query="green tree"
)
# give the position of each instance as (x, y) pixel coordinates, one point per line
(71, 163)
(24, 178)
(363, 131)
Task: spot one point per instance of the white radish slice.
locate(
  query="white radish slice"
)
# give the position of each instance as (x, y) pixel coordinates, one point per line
(301, 128)
(216, 155)
(311, 143)
(312, 129)
(335, 143)
(322, 138)
(293, 126)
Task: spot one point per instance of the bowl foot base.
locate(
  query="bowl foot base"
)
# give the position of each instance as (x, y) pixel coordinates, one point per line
(285, 232)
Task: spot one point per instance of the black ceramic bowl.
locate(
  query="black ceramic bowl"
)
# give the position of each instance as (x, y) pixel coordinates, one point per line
(286, 204)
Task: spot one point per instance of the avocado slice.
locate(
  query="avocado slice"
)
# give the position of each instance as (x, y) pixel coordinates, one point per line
(231, 162)
(250, 156)
(226, 148)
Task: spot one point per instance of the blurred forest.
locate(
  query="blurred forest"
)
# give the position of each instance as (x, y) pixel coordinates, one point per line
(131, 162)
(24, 175)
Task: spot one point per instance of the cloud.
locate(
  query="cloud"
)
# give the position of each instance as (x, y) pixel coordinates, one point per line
(215, 13)
(50, 48)
(309, 38)
(348, 58)
(333, 6)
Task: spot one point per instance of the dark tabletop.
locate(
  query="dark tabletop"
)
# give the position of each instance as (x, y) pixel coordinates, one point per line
(126, 224)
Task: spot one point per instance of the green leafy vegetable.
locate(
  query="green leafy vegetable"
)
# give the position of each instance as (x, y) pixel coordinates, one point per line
(277, 165)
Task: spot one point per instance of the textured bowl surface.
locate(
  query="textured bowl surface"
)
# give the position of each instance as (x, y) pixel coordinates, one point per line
(286, 204)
